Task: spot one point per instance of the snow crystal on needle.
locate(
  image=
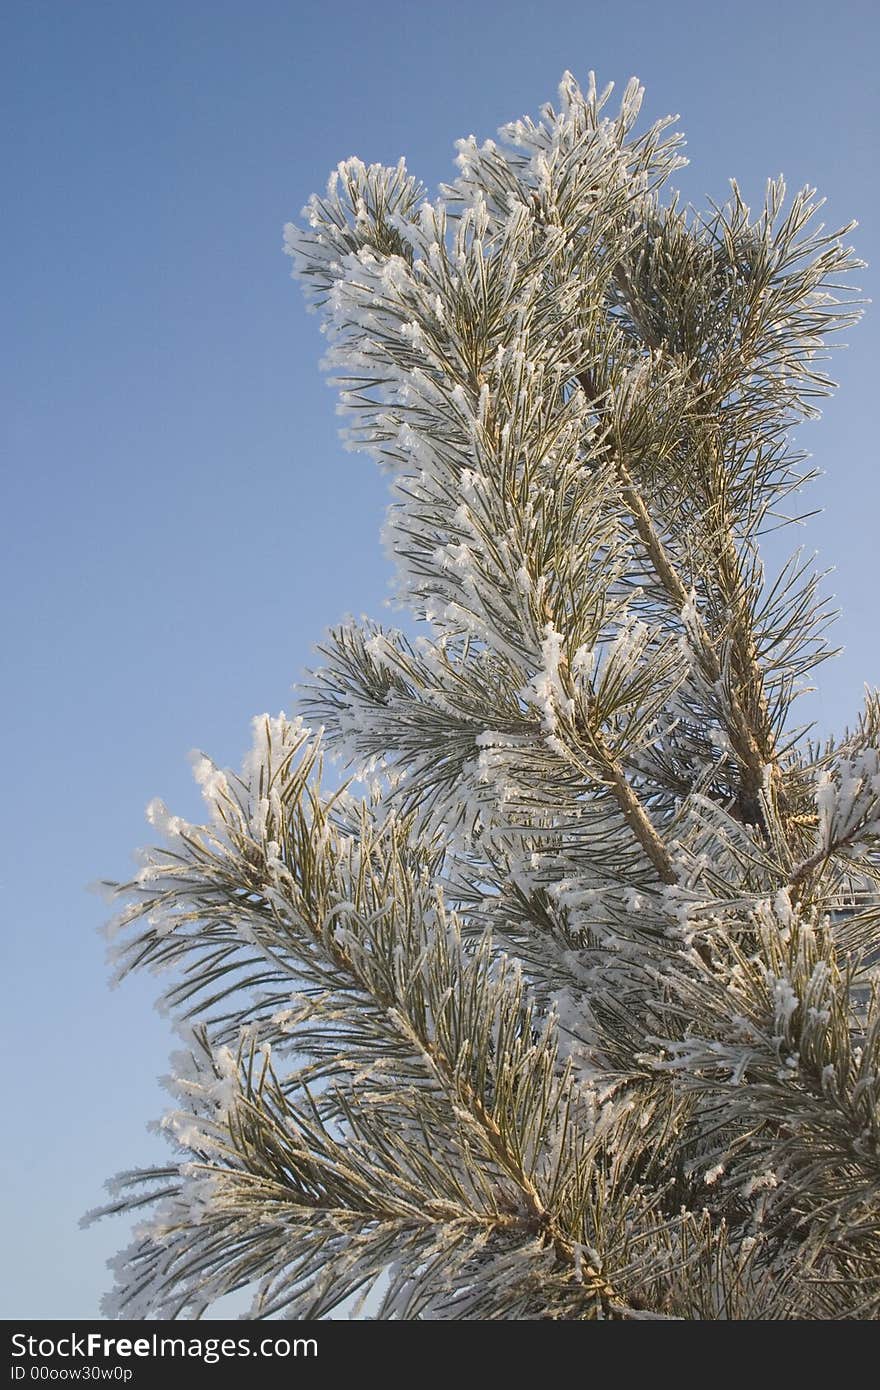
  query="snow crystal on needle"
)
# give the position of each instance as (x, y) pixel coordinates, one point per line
(848, 800)
(161, 818)
(546, 689)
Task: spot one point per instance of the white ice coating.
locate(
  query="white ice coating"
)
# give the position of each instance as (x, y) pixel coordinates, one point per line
(848, 801)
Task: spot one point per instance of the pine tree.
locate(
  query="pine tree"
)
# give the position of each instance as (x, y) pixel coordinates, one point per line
(566, 1005)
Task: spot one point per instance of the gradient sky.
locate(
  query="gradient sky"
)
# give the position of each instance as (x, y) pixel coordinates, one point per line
(181, 523)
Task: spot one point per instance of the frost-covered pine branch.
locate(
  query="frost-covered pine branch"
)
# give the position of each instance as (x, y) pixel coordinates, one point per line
(574, 1014)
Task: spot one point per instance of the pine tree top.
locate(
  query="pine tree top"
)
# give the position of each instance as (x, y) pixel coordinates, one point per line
(565, 1006)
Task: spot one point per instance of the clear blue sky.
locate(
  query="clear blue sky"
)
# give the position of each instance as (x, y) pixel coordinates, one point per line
(180, 521)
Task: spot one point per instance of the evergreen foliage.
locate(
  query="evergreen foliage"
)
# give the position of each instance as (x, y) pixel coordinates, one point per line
(572, 1012)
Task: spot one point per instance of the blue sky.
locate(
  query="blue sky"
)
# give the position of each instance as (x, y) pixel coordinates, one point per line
(181, 521)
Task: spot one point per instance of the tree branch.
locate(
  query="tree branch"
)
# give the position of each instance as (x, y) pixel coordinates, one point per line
(752, 746)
